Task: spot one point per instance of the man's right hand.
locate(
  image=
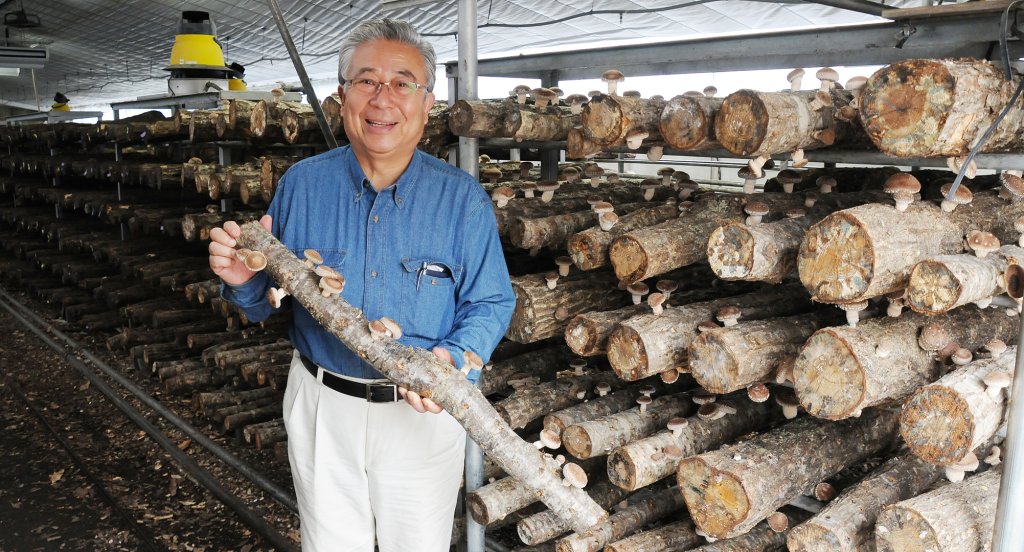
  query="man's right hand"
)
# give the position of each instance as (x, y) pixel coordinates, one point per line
(222, 253)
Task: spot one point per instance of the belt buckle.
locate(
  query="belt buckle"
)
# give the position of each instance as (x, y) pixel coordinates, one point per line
(370, 395)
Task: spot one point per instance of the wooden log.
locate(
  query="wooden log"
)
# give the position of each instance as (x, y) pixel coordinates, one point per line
(643, 462)
(544, 526)
(726, 359)
(840, 370)
(299, 126)
(762, 538)
(650, 344)
(640, 512)
(926, 108)
(529, 403)
(589, 248)
(678, 535)
(944, 421)
(480, 119)
(271, 170)
(688, 123)
(608, 120)
(494, 501)
(201, 127)
(542, 124)
(954, 518)
(647, 252)
(598, 407)
(761, 124)
(265, 434)
(578, 146)
(331, 106)
(229, 410)
(847, 524)
(264, 125)
(943, 283)
(541, 364)
(554, 230)
(421, 372)
(542, 312)
(197, 226)
(870, 250)
(602, 435)
(249, 185)
(730, 490)
(254, 415)
(209, 401)
(189, 382)
(768, 252)
(167, 369)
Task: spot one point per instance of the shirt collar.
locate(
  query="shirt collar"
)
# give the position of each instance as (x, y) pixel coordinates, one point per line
(399, 191)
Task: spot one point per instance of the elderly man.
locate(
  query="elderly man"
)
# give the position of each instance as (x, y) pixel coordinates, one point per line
(416, 241)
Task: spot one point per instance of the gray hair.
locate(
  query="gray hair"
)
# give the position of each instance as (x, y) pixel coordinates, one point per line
(386, 29)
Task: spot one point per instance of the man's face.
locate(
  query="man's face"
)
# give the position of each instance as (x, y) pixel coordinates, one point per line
(385, 124)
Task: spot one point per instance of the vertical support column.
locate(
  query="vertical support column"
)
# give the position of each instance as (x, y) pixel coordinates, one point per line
(469, 161)
(1010, 508)
(549, 157)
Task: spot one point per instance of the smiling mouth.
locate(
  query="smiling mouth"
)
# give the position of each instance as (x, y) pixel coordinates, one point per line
(379, 124)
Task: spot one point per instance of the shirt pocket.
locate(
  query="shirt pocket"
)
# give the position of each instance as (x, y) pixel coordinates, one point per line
(428, 297)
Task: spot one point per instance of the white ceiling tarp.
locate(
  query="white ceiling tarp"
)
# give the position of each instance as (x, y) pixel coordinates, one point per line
(103, 51)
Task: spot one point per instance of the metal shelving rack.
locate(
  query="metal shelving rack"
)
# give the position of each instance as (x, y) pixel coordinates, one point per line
(957, 30)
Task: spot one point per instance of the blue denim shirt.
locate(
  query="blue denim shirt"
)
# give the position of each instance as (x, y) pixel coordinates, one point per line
(435, 216)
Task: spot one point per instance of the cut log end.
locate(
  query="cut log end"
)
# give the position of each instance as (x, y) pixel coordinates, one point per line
(740, 123)
(622, 470)
(903, 104)
(716, 499)
(731, 251)
(903, 530)
(937, 425)
(836, 260)
(719, 366)
(577, 442)
(812, 537)
(581, 336)
(933, 288)
(629, 259)
(829, 377)
(627, 354)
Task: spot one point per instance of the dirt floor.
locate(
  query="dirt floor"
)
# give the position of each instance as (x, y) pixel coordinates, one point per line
(127, 494)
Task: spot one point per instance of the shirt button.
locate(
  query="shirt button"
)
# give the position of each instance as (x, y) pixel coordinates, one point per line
(398, 199)
(375, 219)
(373, 274)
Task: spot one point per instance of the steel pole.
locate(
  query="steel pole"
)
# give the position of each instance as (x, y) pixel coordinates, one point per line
(1009, 527)
(307, 86)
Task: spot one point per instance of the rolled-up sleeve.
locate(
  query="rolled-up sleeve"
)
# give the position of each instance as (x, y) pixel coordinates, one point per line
(484, 299)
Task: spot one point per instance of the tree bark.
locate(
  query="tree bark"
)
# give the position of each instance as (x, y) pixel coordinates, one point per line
(265, 434)
(944, 421)
(840, 372)
(597, 407)
(768, 251)
(541, 312)
(759, 539)
(495, 501)
(870, 250)
(197, 226)
(649, 344)
(544, 526)
(421, 372)
(926, 108)
(650, 508)
(726, 359)
(646, 252)
(954, 518)
(480, 119)
(589, 248)
(847, 524)
(730, 490)
(529, 403)
(943, 283)
(607, 120)
(252, 416)
(643, 462)
(201, 127)
(688, 123)
(678, 535)
(264, 125)
(602, 435)
(299, 126)
(752, 123)
(542, 124)
(542, 364)
(271, 170)
(554, 230)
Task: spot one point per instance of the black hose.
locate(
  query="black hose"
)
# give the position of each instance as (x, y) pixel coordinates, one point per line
(197, 472)
(279, 494)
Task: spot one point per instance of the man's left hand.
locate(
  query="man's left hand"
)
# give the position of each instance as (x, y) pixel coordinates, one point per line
(418, 403)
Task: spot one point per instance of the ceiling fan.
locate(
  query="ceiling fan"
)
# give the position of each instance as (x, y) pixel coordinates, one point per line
(20, 19)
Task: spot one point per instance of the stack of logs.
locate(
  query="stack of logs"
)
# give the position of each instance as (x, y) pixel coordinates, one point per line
(697, 325)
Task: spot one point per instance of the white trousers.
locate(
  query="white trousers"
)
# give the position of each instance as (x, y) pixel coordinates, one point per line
(365, 470)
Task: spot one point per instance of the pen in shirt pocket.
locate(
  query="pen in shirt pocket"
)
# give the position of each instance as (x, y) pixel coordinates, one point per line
(433, 270)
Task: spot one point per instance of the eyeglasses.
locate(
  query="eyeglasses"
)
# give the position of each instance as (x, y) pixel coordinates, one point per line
(401, 87)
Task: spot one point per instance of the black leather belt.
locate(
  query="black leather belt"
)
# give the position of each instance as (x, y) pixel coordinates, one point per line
(372, 392)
